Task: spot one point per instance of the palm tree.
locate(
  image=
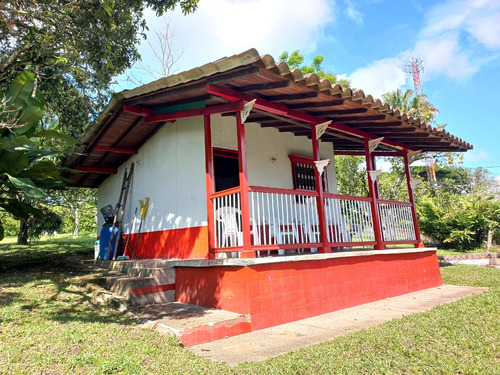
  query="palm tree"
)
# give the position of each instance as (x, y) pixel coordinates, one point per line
(398, 100)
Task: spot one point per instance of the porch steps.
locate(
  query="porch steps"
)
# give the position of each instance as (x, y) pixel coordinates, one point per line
(141, 283)
(193, 324)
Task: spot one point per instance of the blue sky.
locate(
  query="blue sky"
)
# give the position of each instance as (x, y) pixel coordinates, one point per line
(367, 41)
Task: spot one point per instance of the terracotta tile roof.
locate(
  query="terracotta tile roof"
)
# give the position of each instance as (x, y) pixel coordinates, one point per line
(252, 75)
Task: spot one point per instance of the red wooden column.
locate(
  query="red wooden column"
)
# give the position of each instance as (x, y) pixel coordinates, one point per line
(209, 178)
(245, 207)
(320, 199)
(412, 201)
(373, 195)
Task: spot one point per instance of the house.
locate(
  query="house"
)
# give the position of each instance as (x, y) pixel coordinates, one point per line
(237, 157)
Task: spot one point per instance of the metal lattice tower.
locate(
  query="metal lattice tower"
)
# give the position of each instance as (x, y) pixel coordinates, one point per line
(414, 68)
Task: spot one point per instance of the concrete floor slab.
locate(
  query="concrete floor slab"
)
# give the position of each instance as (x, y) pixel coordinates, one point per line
(270, 342)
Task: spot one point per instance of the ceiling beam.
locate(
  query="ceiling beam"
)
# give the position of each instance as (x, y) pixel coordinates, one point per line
(264, 86)
(329, 103)
(334, 112)
(216, 109)
(358, 119)
(116, 150)
(302, 95)
(97, 170)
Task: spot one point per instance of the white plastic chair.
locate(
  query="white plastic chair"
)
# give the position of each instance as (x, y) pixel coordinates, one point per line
(230, 221)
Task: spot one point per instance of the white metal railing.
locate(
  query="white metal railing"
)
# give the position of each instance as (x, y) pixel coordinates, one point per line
(282, 216)
(396, 221)
(227, 223)
(348, 219)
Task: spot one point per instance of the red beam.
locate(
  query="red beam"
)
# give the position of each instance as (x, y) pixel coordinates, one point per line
(139, 111)
(217, 109)
(376, 153)
(97, 170)
(283, 110)
(117, 150)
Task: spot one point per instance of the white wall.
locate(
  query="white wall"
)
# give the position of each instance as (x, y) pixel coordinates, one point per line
(267, 152)
(170, 169)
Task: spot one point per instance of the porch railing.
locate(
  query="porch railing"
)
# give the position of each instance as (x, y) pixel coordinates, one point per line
(281, 219)
(396, 221)
(349, 219)
(227, 225)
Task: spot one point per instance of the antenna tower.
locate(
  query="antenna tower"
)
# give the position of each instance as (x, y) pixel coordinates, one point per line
(414, 68)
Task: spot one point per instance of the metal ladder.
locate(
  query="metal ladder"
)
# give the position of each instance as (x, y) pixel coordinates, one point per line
(120, 208)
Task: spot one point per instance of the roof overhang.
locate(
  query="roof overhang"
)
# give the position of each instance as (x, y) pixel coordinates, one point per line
(286, 100)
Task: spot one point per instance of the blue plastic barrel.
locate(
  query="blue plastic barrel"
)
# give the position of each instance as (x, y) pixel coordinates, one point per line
(104, 242)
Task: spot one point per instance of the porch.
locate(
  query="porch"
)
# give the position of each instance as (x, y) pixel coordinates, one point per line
(282, 220)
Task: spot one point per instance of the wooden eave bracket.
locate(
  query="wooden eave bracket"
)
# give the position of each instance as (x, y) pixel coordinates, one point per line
(321, 165)
(373, 144)
(374, 174)
(247, 108)
(414, 183)
(321, 129)
(412, 155)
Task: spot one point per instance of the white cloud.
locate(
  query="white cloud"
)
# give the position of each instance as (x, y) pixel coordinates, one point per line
(226, 27)
(353, 13)
(380, 77)
(474, 156)
(453, 43)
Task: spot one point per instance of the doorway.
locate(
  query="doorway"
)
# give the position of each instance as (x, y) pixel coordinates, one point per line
(226, 169)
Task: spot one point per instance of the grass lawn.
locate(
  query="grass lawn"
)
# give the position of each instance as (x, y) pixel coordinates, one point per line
(49, 326)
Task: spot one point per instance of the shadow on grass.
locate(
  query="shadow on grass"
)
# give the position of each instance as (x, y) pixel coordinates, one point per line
(55, 292)
(6, 298)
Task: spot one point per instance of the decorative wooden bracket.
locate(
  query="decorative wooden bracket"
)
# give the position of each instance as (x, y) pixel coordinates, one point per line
(247, 108)
(412, 155)
(373, 144)
(321, 165)
(414, 183)
(374, 174)
(321, 129)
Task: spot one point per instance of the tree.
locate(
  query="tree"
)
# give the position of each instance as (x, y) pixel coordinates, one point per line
(351, 175)
(77, 206)
(165, 57)
(74, 48)
(296, 59)
(28, 167)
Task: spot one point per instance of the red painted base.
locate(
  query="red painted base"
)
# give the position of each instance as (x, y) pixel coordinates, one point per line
(184, 243)
(283, 292)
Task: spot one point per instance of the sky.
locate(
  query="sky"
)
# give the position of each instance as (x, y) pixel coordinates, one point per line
(367, 41)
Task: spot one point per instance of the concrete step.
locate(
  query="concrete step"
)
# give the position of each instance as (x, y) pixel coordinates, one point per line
(193, 324)
(160, 275)
(139, 286)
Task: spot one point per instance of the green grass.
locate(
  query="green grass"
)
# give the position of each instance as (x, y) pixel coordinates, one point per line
(46, 250)
(478, 250)
(49, 326)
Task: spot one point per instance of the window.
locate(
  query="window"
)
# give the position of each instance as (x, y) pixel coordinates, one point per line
(303, 173)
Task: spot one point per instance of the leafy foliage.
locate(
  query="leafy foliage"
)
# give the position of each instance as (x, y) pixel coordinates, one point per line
(296, 60)
(351, 175)
(28, 167)
(74, 48)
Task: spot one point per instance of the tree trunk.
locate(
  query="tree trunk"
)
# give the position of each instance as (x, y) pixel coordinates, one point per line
(76, 223)
(22, 235)
(488, 243)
